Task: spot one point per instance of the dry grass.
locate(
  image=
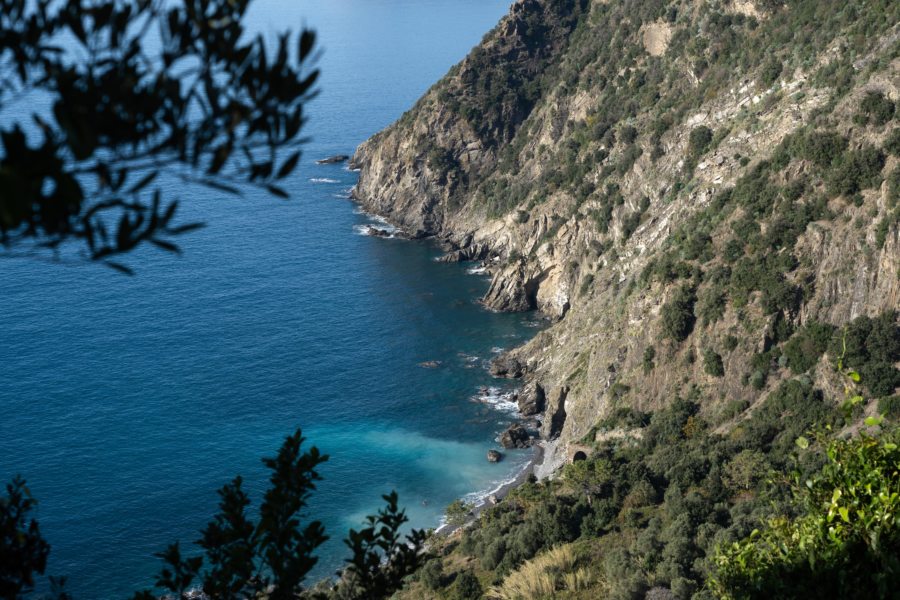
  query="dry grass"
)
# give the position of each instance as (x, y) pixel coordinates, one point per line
(544, 577)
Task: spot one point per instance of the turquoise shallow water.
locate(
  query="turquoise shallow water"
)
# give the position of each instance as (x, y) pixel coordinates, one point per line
(127, 402)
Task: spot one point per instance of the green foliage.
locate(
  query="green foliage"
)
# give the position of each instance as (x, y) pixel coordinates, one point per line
(846, 543)
(892, 143)
(207, 103)
(274, 554)
(467, 587)
(889, 407)
(875, 109)
(23, 551)
(432, 574)
(745, 471)
(678, 314)
(649, 356)
(380, 556)
(856, 170)
(712, 363)
(458, 512)
(699, 140)
(803, 350)
(871, 347)
(771, 71)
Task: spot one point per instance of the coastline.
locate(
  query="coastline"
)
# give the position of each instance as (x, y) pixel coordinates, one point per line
(492, 498)
(536, 464)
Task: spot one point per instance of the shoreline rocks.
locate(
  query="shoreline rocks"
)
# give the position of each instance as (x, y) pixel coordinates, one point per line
(507, 366)
(515, 436)
(494, 456)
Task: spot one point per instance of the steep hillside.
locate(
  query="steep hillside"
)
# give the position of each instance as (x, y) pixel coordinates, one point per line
(701, 193)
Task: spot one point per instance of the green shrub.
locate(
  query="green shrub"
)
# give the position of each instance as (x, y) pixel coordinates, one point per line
(712, 363)
(892, 143)
(845, 544)
(855, 171)
(771, 71)
(821, 148)
(875, 109)
(649, 356)
(803, 350)
(746, 470)
(871, 347)
(467, 587)
(699, 140)
(731, 342)
(890, 407)
(432, 574)
(678, 314)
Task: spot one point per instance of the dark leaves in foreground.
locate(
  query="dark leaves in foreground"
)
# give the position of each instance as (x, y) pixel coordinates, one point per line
(23, 552)
(142, 88)
(273, 555)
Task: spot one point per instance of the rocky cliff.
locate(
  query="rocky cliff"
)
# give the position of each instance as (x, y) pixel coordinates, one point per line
(685, 187)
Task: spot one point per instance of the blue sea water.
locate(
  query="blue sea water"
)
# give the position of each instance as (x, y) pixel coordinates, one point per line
(126, 402)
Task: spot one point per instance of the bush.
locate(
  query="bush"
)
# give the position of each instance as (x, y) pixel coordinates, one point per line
(890, 407)
(467, 587)
(699, 140)
(803, 350)
(845, 544)
(871, 347)
(432, 574)
(875, 109)
(649, 356)
(678, 314)
(746, 470)
(458, 511)
(712, 363)
(771, 71)
(855, 171)
(821, 148)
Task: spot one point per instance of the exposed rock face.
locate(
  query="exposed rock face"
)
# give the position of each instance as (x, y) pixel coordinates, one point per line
(531, 400)
(555, 416)
(507, 366)
(590, 205)
(494, 456)
(516, 436)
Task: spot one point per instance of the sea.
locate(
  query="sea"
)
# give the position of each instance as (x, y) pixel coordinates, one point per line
(126, 402)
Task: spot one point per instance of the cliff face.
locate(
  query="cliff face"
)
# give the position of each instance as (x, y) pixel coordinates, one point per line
(670, 182)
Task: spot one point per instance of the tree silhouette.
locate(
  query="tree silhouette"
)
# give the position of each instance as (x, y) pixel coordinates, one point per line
(137, 89)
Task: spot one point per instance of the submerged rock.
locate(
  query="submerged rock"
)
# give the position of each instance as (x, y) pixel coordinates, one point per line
(332, 160)
(430, 364)
(494, 456)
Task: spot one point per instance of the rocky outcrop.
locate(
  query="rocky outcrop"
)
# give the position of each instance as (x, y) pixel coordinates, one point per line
(515, 436)
(531, 400)
(494, 456)
(507, 366)
(555, 415)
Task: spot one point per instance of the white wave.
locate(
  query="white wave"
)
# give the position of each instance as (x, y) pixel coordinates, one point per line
(497, 398)
(497, 349)
(480, 270)
(479, 498)
(323, 180)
